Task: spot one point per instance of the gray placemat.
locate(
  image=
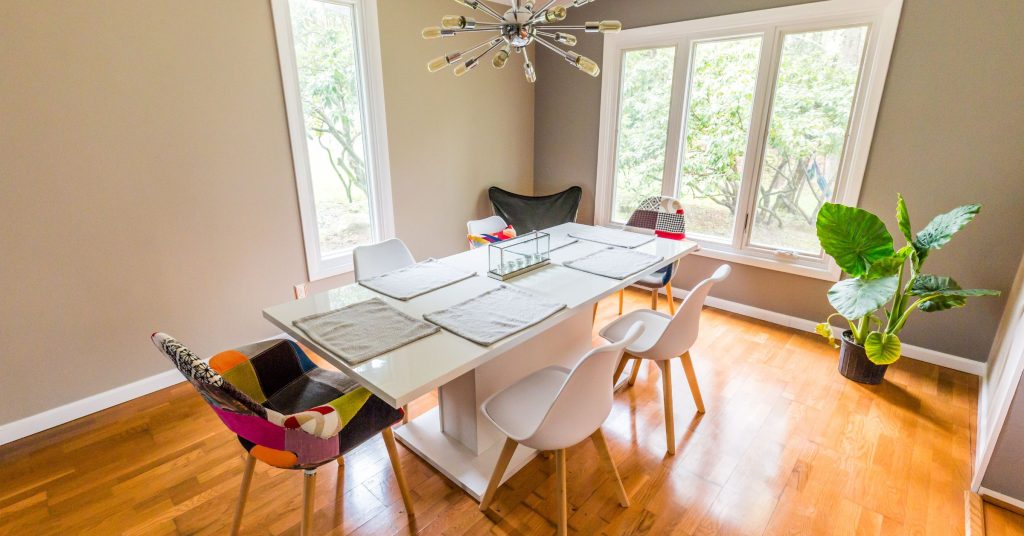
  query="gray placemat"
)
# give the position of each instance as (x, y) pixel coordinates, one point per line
(416, 280)
(612, 237)
(364, 330)
(616, 263)
(494, 315)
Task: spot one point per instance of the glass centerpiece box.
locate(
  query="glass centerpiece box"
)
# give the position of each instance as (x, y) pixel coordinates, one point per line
(517, 256)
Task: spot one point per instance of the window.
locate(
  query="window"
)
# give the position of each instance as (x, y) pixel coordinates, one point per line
(330, 67)
(752, 120)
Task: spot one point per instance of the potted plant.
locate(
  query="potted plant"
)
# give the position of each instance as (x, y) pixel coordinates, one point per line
(880, 293)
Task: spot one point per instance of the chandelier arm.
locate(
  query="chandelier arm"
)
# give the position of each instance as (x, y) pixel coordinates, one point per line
(495, 42)
(489, 10)
(554, 49)
(466, 30)
(570, 28)
(494, 45)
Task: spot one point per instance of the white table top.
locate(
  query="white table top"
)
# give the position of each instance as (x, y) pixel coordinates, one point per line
(400, 376)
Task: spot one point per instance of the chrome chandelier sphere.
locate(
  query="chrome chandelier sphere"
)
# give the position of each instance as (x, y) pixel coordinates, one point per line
(517, 29)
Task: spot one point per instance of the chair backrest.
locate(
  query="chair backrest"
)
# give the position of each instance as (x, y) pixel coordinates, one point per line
(389, 255)
(488, 225)
(526, 213)
(681, 332)
(585, 399)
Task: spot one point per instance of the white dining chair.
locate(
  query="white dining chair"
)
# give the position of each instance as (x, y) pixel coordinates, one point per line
(665, 338)
(489, 225)
(376, 259)
(556, 408)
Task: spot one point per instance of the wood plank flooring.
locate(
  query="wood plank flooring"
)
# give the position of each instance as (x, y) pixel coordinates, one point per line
(1002, 522)
(787, 446)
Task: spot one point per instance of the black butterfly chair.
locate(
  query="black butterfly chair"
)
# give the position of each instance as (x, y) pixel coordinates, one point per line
(526, 213)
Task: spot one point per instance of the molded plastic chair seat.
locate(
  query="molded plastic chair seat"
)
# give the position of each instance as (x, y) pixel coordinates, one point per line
(666, 338)
(555, 408)
(519, 409)
(654, 323)
(376, 259)
(656, 280)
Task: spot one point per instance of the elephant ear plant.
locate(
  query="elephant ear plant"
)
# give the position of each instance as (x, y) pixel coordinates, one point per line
(887, 285)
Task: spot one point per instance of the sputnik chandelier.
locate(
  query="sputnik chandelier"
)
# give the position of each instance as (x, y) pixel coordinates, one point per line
(516, 29)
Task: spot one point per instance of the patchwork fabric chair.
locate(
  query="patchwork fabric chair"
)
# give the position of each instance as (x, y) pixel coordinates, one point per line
(664, 216)
(286, 411)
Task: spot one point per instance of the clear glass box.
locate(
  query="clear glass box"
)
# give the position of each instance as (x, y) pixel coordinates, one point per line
(517, 256)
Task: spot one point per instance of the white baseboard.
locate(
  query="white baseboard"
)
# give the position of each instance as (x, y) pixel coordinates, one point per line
(16, 430)
(918, 353)
(985, 492)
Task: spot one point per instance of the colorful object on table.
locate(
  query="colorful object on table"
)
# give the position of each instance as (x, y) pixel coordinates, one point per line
(664, 215)
(500, 236)
(286, 411)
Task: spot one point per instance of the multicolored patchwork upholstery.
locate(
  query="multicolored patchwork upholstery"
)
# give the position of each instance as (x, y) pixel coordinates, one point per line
(507, 233)
(663, 215)
(286, 411)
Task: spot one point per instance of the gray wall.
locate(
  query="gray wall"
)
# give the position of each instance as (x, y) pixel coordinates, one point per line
(950, 131)
(146, 179)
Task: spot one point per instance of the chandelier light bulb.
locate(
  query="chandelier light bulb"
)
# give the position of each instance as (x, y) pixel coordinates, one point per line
(588, 66)
(578, 3)
(454, 22)
(501, 58)
(566, 39)
(609, 26)
(466, 67)
(472, 4)
(437, 64)
(530, 72)
(556, 14)
(432, 32)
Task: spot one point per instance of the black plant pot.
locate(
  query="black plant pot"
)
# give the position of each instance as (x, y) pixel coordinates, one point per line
(855, 365)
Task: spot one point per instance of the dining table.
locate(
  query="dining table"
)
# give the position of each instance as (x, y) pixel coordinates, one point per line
(455, 437)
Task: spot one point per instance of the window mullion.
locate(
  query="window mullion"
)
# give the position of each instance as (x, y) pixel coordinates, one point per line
(757, 138)
(676, 120)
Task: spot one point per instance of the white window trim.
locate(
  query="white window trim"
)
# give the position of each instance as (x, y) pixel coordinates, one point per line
(882, 18)
(374, 113)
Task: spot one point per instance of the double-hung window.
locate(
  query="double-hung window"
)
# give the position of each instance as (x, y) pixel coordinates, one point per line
(331, 72)
(752, 120)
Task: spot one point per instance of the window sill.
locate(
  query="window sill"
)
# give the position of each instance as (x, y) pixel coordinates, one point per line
(330, 267)
(825, 272)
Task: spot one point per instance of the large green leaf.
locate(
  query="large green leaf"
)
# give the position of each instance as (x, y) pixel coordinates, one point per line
(948, 291)
(855, 238)
(903, 218)
(882, 348)
(856, 297)
(885, 267)
(940, 230)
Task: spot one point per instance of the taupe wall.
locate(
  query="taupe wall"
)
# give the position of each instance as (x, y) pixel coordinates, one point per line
(950, 131)
(146, 179)
(1004, 469)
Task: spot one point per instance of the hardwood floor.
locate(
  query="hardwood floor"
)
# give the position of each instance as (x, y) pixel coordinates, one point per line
(787, 446)
(1002, 522)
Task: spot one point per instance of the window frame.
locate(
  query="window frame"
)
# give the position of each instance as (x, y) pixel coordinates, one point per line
(881, 18)
(373, 114)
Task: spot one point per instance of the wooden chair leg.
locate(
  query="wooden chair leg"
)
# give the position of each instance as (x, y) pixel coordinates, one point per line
(671, 300)
(308, 493)
(606, 457)
(593, 319)
(499, 471)
(691, 378)
(405, 416)
(654, 300)
(562, 496)
(250, 465)
(618, 370)
(396, 465)
(622, 297)
(670, 423)
(636, 371)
